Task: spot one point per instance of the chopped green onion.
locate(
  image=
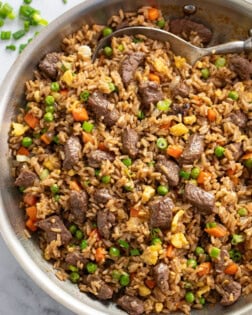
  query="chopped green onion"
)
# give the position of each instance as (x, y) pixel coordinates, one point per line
(74, 277)
(26, 26)
(156, 240)
(17, 35)
(84, 95)
(56, 139)
(140, 115)
(162, 143)
(5, 35)
(54, 188)
(123, 244)
(87, 126)
(242, 212)
(164, 105)
(210, 225)
(162, 190)
(55, 87)
(189, 297)
(6, 11)
(11, 47)
(205, 73)
(21, 47)
(219, 151)
(191, 263)
(137, 40)
(220, 62)
(1, 22)
(49, 100)
(184, 174)
(128, 188)
(91, 267)
(79, 234)
(72, 229)
(116, 274)
(195, 172)
(112, 87)
(114, 252)
(235, 255)
(56, 197)
(26, 142)
(83, 244)
(97, 172)
(72, 268)
(105, 179)
(199, 251)
(155, 232)
(214, 252)
(237, 238)
(161, 23)
(108, 51)
(107, 31)
(27, 1)
(64, 1)
(134, 252)
(124, 280)
(233, 95)
(127, 162)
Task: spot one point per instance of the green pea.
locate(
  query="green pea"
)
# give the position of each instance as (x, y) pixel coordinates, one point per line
(191, 263)
(79, 234)
(199, 251)
(184, 174)
(26, 142)
(214, 252)
(233, 95)
(121, 48)
(49, 100)
(108, 51)
(114, 252)
(156, 240)
(164, 105)
(202, 300)
(91, 267)
(74, 277)
(219, 151)
(205, 73)
(107, 31)
(56, 197)
(116, 275)
(161, 23)
(162, 190)
(87, 126)
(54, 188)
(220, 62)
(242, 212)
(48, 117)
(84, 95)
(127, 162)
(105, 179)
(248, 163)
(124, 280)
(189, 297)
(83, 244)
(72, 229)
(50, 109)
(55, 87)
(162, 143)
(195, 172)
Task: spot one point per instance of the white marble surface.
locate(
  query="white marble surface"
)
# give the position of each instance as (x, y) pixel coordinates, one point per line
(18, 293)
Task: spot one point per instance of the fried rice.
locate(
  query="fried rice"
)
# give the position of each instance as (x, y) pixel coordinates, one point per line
(135, 170)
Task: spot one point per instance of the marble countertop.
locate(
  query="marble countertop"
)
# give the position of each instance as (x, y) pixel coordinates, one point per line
(18, 293)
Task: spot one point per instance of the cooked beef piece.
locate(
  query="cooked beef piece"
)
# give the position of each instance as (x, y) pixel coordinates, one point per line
(169, 168)
(181, 89)
(26, 178)
(161, 274)
(54, 226)
(241, 66)
(96, 158)
(78, 202)
(229, 289)
(150, 92)
(105, 221)
(236, 150)
(75, 257)
(193, 149)
(182, 109)
(104, 291)
(161, 212)
(72, 150)
(222, 261)
(199, 198)
(129, 66)
(102, 195)
(131, 304)
(48, 65)
(130, 140)
(103, 109)
(238, 118)
(184, 27)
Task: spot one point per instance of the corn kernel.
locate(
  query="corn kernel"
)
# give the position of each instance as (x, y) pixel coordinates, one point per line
(71, 173)
(176, 220)
(143, 290)
(190, 120)
(179, 62)
(148, 193)
(67, 77)
(202, 291)
(18, 129)
(150, 255)
(179, 240)
(159, 307)
(51, 163)
(37, 96)
(178, 130)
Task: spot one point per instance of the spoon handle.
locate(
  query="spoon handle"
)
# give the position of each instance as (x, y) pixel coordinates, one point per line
(231, 47)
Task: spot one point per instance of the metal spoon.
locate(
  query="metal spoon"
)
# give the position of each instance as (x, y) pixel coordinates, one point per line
(178, 45)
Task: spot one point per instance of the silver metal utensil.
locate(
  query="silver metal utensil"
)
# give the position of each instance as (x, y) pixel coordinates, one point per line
(178, 45)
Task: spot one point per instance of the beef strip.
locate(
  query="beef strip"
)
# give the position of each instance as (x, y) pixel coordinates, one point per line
(183, 27)
(229, 289)
(102, 195)
(238, 118)
(169, 168)
(130, 140)
(222, 261)
(78, 202)
(96, 157)
(241, 66)
(193, 149)
(132, 305)
(181, 89)
(150, 92)
(72, 151)
(182, 109)
(161, 212)
(236, 150)
(54, 226)
(161, 274)
(129, 65)
(75, 257)
(103, 109)
(26, 178)
(199, 198)
(104, 291)
(105, 222)
(48, 65)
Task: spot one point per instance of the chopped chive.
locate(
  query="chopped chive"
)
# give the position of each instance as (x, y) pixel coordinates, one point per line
(1, 22)
(11, 47)
(26, 26)
(27, 1)
(17, 35)
(5, 35)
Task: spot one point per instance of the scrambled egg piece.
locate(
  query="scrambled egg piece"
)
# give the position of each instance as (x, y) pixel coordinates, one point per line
(179, 240)
(150, 255)
(18, 129)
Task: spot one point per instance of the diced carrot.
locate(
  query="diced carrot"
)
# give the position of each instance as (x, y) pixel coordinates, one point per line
(174, 151)
(153, 14)
(169, 251)
(150, 283)
(134, 212)
(204, 268)
(231, 269)
(64, 92)
(211, 115)
(202, 177)
(100, 255)
(95, 234)
(154, 77)
(101, 146)
(80, 114)
(217, 231)
(23, 151)
(87, 137)
(165, 126)
(31, 120)
(30, 199)
(230, 172)
(46, 138)
(247, 156)
(31, 225)
(73, 185)
(32, 213)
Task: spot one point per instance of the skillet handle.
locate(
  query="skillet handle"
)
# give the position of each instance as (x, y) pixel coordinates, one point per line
(231, 47)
